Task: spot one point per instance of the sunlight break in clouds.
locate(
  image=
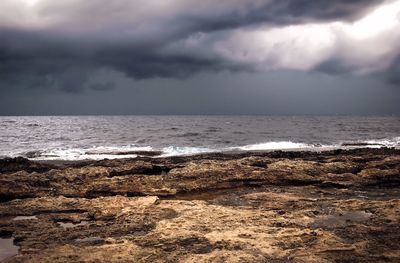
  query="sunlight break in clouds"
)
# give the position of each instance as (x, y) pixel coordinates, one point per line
(366, 45)
(385, 18)
(29, 2)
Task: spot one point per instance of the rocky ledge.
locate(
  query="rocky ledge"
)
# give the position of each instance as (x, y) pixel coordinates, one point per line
(335, 206)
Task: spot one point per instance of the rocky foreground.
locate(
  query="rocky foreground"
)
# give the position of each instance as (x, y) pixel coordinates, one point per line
(337, 206)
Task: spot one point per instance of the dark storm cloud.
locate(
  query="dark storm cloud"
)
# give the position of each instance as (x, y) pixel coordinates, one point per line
(69, 64)
(89, 36)
(393, 74)
(279, 13)
(185, 17)
(333, 66)
(337, 67)
(390, 76)
(283, 92)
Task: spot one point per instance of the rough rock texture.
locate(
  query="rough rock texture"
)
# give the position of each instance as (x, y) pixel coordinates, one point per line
(337, 206)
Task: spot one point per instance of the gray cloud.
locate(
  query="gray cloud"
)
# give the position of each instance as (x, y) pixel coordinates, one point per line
(393, 74)
(66, 43)
(333, 66)
(283, 92)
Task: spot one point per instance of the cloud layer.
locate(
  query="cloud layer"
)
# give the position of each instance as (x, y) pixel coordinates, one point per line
(76, 44)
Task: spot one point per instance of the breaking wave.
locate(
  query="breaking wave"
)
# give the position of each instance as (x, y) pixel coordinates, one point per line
(284, 145)
(179, 151)
(388, 142)
(133, 151)
(92, 153)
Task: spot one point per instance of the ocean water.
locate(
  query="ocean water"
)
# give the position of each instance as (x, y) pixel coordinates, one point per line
(98, 137)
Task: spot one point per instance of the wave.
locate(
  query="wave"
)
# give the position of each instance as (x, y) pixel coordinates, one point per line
(387, 142)
(283, 145)
(393, 142)
(289, 145)
(102, 152)
(179, 151)
(92, 153)
(99, 153)
(190, 134)
(133, 151)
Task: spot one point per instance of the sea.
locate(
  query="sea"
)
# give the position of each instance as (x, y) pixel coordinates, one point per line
(100, 137)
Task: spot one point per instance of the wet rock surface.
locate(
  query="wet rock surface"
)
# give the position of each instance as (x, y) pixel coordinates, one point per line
(335, 206)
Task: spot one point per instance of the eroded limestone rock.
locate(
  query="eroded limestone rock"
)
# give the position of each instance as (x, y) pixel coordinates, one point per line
(340, 206)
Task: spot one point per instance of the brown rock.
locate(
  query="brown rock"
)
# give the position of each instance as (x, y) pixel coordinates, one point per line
(339, 206)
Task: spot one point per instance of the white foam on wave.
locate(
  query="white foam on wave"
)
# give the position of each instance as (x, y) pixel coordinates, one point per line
(181, 151)
(283, 145)
(378, 143)
(111, 149)
(119, 152)
(102, 152)
(392, 142)
(92, 153)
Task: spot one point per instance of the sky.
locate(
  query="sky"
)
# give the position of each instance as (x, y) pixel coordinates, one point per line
(75, 57)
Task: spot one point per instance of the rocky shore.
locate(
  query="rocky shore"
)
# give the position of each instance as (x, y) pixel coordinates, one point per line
(334, 206)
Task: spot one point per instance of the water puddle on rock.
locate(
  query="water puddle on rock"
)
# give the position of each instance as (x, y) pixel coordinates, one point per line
(341, 219)
(7, 248)
(19, 218)
(71, 225)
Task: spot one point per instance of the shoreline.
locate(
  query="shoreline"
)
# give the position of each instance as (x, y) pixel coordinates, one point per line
(99, 152)
(155, 154)
(290, 153)
(280, 206)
